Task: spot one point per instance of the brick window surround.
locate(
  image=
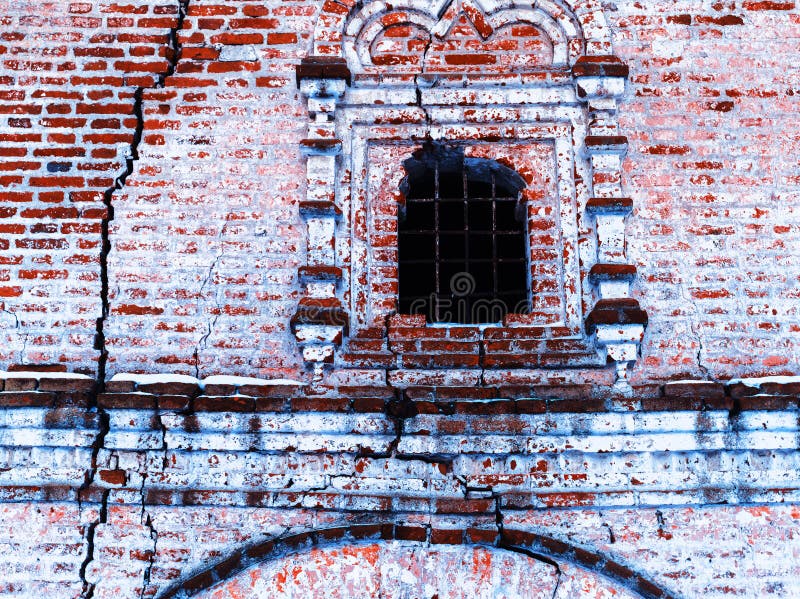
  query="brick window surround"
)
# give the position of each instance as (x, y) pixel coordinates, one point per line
(550, 115)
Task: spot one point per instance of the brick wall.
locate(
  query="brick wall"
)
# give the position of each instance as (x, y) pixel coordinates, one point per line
(150, 192)
(205, 232)
(714, 178)
(171, 489)
(69, 73)
(203, 264)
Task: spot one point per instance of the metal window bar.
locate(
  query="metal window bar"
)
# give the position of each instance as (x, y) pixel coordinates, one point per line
(443, 232)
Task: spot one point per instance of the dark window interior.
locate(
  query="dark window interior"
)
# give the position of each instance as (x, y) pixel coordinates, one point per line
(462, 248)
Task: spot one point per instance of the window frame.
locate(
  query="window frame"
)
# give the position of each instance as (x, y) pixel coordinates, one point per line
(360, 202)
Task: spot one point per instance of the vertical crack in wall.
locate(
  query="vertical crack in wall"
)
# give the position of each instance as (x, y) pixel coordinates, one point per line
(103, 420)
(693, 327)
(418, 89)
(173, 56)
(662, 531)
(503, 544)
(558, 582)
(145, 518)
(498, 512)
(17, 327)
(400, 407)
(13, 315)
(148, 522)
(211, 325)
(611, 538)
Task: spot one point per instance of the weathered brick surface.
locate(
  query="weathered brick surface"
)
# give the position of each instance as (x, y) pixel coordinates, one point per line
(713, 244)
(714, 182)
(225, 129)
(206, 237)
(43, 548)
(174, 498)
(68, 76)
(426, 449)
(400, 570)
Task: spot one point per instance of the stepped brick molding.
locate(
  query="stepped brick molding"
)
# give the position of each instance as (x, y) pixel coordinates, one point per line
(176, 485)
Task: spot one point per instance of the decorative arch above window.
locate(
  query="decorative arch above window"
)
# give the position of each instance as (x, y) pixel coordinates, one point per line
(574, 29)
(529, 87)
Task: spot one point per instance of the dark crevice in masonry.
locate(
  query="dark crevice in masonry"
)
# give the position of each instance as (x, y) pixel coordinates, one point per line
(211, 325)
(12, 315)
(498, 513)
(418, 89)
(148, 569)
(87, 591)
(697, 336)
(18, 326)
(399, 409)
(662, 534)
(499, 522)
(148, 523)
(611, 538)
(146, 520)
(173, 56)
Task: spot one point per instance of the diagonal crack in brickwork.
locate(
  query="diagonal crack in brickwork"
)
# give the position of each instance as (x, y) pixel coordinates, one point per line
(173, 55)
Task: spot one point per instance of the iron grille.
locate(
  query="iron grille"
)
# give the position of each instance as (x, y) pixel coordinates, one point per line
(462, 247)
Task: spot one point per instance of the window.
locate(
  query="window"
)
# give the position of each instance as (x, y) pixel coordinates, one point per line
(384, 77)
(462, 239)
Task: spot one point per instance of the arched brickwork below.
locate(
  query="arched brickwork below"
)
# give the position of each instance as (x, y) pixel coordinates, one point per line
(390, 560)
(352, 30)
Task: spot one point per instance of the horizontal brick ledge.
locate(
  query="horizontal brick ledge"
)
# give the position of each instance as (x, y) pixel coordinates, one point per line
(323, 146)
(694, 389)
(609, 206)
(37, 368)
(617, 144)
(27, 399)
(612, 272)
(534, 403)
(622, 311)
(127, 401)
(319, 208)
(740, 390)
(323, 67)
(319, 311)
(600, 66)
(170, 388)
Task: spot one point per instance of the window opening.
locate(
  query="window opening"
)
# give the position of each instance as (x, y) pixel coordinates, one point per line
(462, 239)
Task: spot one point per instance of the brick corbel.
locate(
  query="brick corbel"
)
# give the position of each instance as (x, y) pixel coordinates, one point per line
(320, 321)
(617, 322)
(600, 77)
(618, 327)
